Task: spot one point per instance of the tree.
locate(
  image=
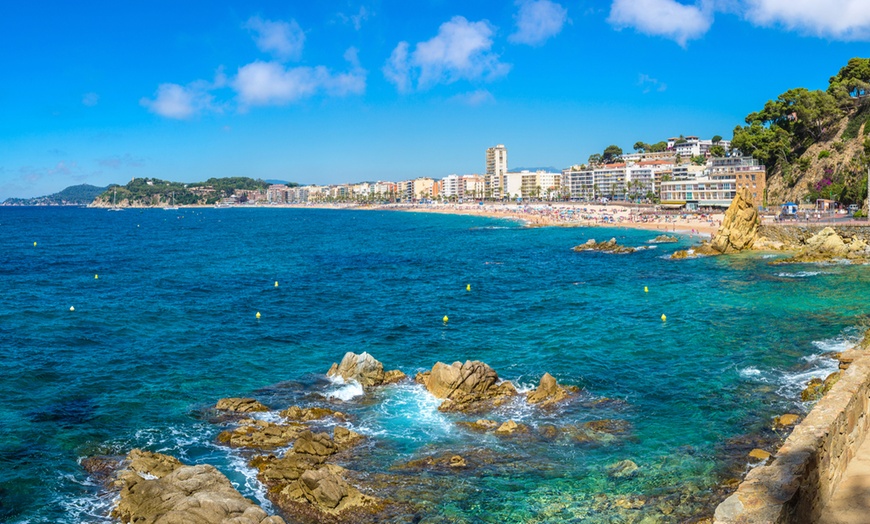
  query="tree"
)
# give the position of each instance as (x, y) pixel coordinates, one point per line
(716, 139)
(612, 152)
(641, 147)
(853, 79)
(717, 151)
(658, 147)
(594, 159)
(699, 160)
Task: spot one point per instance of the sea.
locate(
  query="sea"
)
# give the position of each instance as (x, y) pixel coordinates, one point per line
(121, 330)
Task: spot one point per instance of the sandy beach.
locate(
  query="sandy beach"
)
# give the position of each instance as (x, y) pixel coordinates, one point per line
(577, 215)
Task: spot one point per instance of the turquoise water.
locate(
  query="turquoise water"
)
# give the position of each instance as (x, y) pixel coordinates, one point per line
(169, 327)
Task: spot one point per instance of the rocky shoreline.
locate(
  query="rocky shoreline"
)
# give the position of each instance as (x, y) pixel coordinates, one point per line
(308, 470)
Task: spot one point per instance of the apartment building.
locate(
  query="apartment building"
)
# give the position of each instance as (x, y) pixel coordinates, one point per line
(716, 186)
(496, 168)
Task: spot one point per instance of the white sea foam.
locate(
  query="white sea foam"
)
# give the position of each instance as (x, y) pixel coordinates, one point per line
(346, 391)
(801, 274)
(750, 372)
(768, 256)
(250, 486)
(819, 365)
(267, 416)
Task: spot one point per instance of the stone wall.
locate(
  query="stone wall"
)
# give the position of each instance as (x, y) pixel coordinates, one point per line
(797, 234)
(810, 464)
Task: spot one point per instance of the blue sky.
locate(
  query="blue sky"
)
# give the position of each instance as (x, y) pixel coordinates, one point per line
(331, 92)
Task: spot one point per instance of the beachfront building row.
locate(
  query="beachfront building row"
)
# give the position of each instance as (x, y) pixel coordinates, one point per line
(716, 185)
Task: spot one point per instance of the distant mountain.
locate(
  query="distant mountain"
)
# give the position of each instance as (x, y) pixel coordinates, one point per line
(80, 195)
(548, 169)
(284, 182)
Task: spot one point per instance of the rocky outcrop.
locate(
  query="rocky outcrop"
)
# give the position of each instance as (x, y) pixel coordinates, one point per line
(326, 490)
(817, 388)
(548, 392)
(739, 227)
(828, 245)
(611, 246)
(467, 387)
(510, 428)
(157, 488)
(240, 405)
(664, 239)
(260, 434)
(299, 414)
(622, 469)
(364, 369)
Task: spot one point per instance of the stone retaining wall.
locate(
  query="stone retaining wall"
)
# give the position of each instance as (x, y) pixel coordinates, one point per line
(798, 234)
(810, 464)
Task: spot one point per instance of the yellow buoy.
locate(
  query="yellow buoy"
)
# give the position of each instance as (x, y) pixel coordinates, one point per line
(96, 277)
(664, 318)
(468, 287)
(258, 314)
(445, 319)
(71, 308)
(276, 283)
(645, 289)
(34, 244)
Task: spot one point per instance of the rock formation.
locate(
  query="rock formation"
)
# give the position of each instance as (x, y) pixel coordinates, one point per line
(605, 247)
(739, 227)
(240, 405)
(157, 488)
(828, 245)
(260, 434)
(466, 387)
(664, 239)
(365, 369)
(548, 392)
(297, 413)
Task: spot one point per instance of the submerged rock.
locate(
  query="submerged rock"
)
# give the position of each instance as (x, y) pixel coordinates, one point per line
(510, 428)
(240, 405)
(158, 488)
(817, 388)
(622, 469)
(611, 246)
(789, 419)
(759, 454)
(482, 425)
(467, 387)
(548, 392)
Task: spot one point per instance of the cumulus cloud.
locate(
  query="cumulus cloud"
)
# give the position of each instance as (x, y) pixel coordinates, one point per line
(460, 51)
(178, 102)
(270, 83)
(667, 18)
(90, 99)
(538, 20)
(284, 40)
(834, 19)
(474, 98)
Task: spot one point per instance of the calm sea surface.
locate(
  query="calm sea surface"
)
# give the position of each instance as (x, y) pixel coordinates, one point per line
(169, 327)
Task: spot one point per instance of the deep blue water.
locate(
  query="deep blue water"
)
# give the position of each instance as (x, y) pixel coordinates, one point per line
(169, 327)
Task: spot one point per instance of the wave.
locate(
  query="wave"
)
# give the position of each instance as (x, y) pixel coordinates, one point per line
(801, 274)
(345, 391)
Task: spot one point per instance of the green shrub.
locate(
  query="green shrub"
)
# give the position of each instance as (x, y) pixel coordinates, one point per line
(824, 154)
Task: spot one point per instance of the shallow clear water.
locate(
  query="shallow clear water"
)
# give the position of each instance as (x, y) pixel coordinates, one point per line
(169, 327)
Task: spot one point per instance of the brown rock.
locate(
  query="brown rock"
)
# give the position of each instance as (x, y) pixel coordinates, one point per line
(309, 414)
(788, 419)
(345, 438)
(549, 392)
(326, 491)
(611, 246)
(739, 227)
(363, 368)
(759, 454)
(314, 444)
(622, 469)
(510, 427)
(240, 405)
(394, 376)
(482, 425)
(467, 386)
(260, 434)
(173, 493)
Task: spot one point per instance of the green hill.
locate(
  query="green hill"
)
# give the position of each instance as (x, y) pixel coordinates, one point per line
(79, 195)
(153, 192)
(815, 144)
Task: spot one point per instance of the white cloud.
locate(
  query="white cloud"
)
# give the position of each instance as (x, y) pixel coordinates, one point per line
(537, 21)
(649, 84)
(179, 102)
(835, 19)
(284, 40)
(460, 50)
(270, 83)
(117, 162)
(474, 98)
(667, 18)
(355, 20)
(90, 99)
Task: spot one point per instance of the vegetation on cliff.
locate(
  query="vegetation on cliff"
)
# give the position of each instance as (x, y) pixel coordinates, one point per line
(155, 192)
(79, 195)
(814, 143)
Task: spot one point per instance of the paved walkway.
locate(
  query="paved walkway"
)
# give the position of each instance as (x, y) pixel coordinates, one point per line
(851, 502)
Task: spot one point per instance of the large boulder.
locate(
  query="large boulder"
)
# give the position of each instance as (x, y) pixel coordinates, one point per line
(364, 369)
(548, 392)
(739, 227)
(159, 489)
(467, 387)
(327, 492)
(297, 413)
(260, 434)
(610, 246)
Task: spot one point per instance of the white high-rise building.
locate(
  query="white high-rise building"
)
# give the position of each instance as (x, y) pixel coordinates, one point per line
(496, 167)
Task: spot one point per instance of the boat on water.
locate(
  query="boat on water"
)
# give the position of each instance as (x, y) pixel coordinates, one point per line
(172, 206)
(114, 205)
